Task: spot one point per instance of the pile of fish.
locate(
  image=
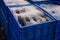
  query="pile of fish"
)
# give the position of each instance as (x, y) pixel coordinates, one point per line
(28, 15)
(15, 2)
(53, 9)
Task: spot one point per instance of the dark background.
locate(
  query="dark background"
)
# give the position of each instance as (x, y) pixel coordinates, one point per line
(2, 36)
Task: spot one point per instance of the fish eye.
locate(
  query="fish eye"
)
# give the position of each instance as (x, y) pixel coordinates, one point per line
(53, 11)
(17, 11)
(27, 19)
(34, 18)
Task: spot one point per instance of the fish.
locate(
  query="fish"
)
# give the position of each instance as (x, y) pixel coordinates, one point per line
(28, 15)
(14, 2)
(53, 9)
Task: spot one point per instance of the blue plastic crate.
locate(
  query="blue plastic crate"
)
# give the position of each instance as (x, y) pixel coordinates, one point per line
(57, 33)
(34, 1)
(44, 31)
(9, 33)
(4, 22)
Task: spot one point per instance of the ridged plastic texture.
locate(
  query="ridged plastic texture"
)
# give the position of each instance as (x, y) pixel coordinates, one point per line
(57, 32)
(44, 31)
